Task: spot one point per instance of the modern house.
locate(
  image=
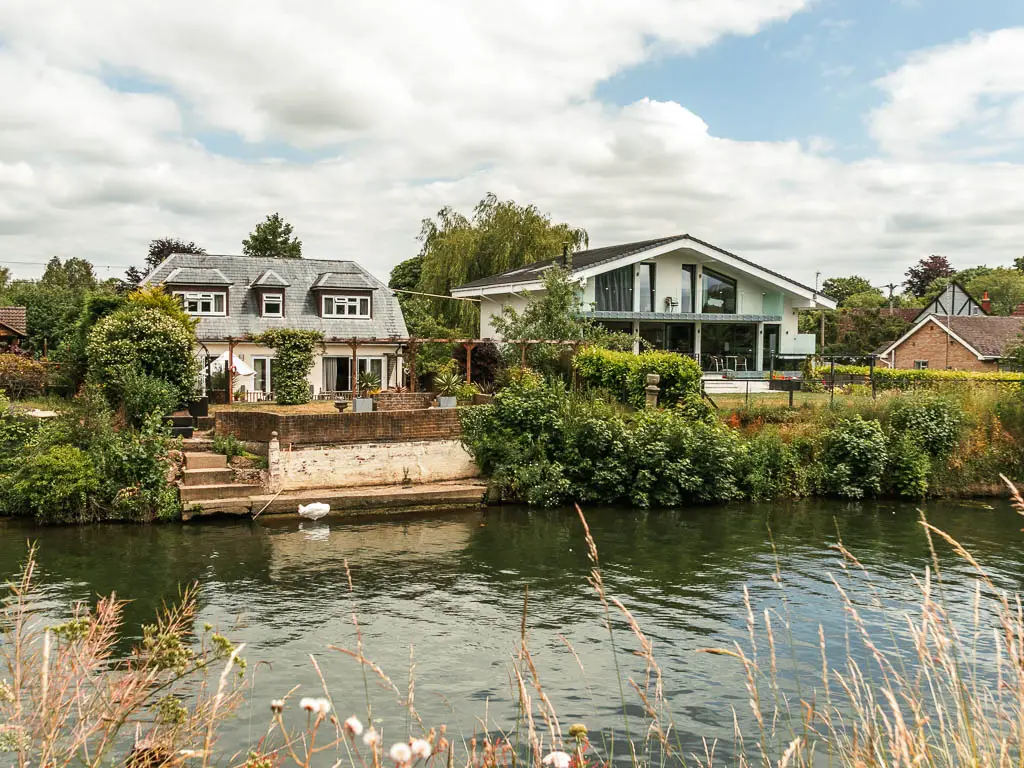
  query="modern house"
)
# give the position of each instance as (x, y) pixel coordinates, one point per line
(238, 297)
(966, 342)
(13, 326)
(677, 293)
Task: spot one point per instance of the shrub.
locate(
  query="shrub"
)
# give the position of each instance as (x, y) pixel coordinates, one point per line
(142, 395)
(909, 467)
(447, 383)
(624, 374)
(295, 353)
(904, 379)
(771, 468)
(934, 423)
(21, 375)
(853, 459)
(229, 445)
(145, 340)
(56, 485)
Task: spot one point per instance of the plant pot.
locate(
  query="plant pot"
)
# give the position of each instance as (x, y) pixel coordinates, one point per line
(199, 408)
(362, 404)
(447, 402)
(342, 405)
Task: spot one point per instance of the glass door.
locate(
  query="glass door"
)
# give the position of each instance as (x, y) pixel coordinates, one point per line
(375, 365)
(337, 374)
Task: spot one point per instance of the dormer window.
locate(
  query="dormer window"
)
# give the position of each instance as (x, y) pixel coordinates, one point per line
(203, 303)
(352, 307)
(273, 305)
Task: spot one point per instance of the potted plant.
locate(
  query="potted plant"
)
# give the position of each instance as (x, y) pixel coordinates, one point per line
(369, 384)
(447, 384)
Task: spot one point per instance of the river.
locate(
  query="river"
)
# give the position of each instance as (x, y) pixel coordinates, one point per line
(452, 585)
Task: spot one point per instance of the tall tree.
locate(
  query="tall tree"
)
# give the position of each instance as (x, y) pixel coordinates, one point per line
(500, 235)
(925, 272)
(74, 274)
(159, 250)
(1018, 263)
(841, 288)
(1005, 287)
(5, 277)
(273, 238)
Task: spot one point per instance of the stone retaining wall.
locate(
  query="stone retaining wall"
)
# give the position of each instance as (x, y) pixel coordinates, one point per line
(295, 429)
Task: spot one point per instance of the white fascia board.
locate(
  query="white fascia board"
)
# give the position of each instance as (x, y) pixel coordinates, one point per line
(490, 290)
(932, 319)
(154, 270)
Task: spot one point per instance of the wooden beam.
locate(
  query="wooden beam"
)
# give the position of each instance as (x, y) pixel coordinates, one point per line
(469, 361)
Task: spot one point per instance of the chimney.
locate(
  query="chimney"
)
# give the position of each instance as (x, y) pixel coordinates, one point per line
(1019, 311)
(986, 303)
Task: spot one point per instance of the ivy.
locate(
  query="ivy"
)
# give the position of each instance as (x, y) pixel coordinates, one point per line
(296, 351)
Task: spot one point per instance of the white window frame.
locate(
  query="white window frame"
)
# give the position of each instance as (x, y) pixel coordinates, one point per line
(199, 297)
(920, 365)
(346, 302)
(268, 379)
(279, 297)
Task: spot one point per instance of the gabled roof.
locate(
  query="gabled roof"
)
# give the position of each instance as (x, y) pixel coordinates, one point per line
(13, 319)
(196, 276)
(270, 279)
(987, 336)
(596, 257)
(301, 307)
(953, 301)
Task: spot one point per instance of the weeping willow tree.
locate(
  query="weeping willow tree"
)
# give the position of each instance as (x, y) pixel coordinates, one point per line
(500, 235)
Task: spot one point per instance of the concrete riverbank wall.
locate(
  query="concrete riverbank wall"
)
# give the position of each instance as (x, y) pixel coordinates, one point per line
(344, 450)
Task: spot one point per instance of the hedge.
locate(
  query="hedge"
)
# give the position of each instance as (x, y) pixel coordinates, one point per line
(905, 378)
(21, 376)
(625, 374)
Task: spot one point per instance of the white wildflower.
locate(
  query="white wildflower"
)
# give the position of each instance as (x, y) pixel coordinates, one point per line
(401, 753)
(277, 706)
(557, 759)
(371, 738)
(353, 726)
(420, 748)
(308, 704)
(323, 707)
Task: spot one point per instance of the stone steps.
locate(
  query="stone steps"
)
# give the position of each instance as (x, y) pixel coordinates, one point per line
(211, 476)
(217, 491)
(203, 460)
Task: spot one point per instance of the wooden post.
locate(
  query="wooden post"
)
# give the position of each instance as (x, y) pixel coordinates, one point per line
(469, 361)
(412, 364)
(822, 351)
(522, 347)
(229, 369)
(355, 368)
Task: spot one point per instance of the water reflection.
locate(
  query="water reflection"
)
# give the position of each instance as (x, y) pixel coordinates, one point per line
(453, 585)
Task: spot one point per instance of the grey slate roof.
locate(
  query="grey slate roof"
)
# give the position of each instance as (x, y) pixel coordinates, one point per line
(270, 279)
(300, 301)
(347, 279)
(596, 256)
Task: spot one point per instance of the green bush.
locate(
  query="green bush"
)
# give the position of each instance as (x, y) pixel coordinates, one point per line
(144, 340)
(904, 379)
(909, 468)
(229, 445)
(624, 374)
(294, 361)
(771, 468)
(934, 423)
(853, 459)
(56, 485)
(142, 395)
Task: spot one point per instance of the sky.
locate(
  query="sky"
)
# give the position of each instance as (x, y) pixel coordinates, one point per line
(811, 136)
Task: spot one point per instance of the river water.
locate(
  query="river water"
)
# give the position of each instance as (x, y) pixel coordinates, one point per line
(452, 586)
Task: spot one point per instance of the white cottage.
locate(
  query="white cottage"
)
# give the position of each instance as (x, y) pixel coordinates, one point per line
(238, 297)
(679, 294)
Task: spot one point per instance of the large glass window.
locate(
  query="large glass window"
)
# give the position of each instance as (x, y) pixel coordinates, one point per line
(198, 303)
(263, 381)
(613, 291)
(646, 286)
(689, 283)
(653, 334)
(728, 346)
(680, 338)
(719, 293)
(770, 345)
(337, 375)
(347, 306)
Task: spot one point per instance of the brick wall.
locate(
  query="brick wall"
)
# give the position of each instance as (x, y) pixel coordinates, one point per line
(340, 428)
(404, 401)
(930, 343)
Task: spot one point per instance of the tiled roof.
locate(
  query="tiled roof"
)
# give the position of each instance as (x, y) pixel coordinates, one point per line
(270, 279)
(347, 279)
(14, 318)
(301, 310)
(595, 256)
(991, 336)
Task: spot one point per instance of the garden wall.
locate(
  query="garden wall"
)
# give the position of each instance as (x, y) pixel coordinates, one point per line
(305, 429)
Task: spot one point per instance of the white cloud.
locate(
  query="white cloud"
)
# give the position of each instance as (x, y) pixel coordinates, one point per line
(420, 105)
(966, 97)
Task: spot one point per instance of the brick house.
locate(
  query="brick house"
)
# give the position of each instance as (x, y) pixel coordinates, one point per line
(962, 343)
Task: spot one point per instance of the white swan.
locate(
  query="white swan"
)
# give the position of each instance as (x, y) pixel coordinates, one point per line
(314, 511)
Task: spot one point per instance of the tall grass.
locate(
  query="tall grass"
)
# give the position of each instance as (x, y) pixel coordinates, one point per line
(935, 681)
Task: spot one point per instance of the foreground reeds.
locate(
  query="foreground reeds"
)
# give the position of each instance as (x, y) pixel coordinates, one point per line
(938, 681)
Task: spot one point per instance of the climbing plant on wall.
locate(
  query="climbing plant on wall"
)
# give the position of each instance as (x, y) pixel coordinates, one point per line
(292, 363)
